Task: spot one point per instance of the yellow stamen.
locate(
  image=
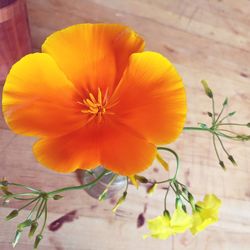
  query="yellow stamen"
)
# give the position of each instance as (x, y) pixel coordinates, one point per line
(96, 105)
(99, 96)
(162, 161)
(92, 97)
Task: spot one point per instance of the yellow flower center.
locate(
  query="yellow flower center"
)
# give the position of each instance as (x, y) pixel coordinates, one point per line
(96, 106)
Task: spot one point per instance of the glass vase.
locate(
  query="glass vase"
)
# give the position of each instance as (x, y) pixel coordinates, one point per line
(107, 181)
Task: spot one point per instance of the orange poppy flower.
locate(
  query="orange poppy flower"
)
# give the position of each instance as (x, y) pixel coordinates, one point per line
(94, 98)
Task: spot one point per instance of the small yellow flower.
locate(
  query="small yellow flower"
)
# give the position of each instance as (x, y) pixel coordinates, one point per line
(208, 213)
(163, 226)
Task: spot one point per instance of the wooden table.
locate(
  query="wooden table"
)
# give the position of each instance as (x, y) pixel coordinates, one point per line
(206, 40)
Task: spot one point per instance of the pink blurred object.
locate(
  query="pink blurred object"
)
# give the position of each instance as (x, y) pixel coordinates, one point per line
(15, 39)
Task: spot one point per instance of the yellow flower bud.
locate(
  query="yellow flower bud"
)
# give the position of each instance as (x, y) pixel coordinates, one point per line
(208, 91)
(120, 201)
(152, 188)
(162, 162)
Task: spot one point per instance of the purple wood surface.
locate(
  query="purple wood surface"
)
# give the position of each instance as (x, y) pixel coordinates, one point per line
(14, 35)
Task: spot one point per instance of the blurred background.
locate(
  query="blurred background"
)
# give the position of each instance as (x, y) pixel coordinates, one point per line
(205, 39)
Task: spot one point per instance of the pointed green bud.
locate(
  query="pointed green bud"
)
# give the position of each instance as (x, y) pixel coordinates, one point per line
(210, 114)
(39, 237)
(178, 202)
(57, 197)
(222, 165)
(191, 199)
(34, 226)
(198, 208)
(243, 137)
(184, 208)
(232, 113)
(166, 213)
(120, 201)
(208, 91)
(17, 237)
(184, 190)
(225, 102)
(230, 157)
(141, 179)
(24, 224)
(12, 215)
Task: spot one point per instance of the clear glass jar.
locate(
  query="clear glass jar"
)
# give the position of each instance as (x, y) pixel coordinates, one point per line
(95, 191)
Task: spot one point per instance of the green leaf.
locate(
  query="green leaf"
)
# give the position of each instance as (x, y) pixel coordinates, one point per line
(232, 113)
(225, 103)
(202, 125)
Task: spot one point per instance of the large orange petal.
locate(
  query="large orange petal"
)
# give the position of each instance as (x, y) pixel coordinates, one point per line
(151, 98)
(93, 55)
(77, 150)
(38, 99)
(113, 145)
(123, 150)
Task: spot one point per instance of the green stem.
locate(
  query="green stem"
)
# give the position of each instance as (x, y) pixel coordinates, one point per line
(126, 188)
(217, 119)
(176, 156)
(224, 118)
(33, 209)
(26, 205)
(40, 210)
(21, 194)
(215, 148)
(161, 182)
(45, 216)
(52, 193)
(197, 129)
(24, 186)
(227, 136)
(108, 186)
(213, 106)
(165, 198)
(236, 124)
(23, 199)
(228, 131)
(222, 145)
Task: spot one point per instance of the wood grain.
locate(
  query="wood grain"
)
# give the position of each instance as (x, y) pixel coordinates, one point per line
(205, 40)
(14, 34)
